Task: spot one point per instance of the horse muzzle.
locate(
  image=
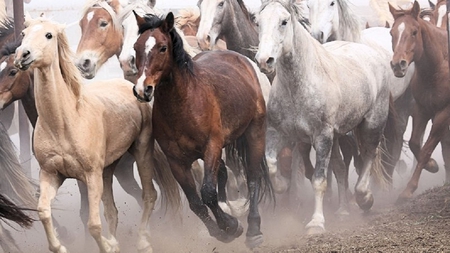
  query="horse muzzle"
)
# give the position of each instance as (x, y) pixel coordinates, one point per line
(146, 96)
(266, 64)
(87, 68)
(23, 60)
(399, 68)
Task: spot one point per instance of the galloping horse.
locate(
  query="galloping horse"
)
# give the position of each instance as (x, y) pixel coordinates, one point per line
(200, 106)
(334, 20)
(418, 41)
(82, 131)
(322, 92)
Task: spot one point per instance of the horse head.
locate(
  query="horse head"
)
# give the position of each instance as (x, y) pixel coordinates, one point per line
(406, 38)
(324, 18)
(212, 13)
(101, 36)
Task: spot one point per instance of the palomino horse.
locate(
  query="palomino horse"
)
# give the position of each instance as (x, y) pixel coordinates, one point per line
(200, 106)
(19, 191)
(15, 85)
(334, 20)
(82, 131)
(322, 92)
(418, 41)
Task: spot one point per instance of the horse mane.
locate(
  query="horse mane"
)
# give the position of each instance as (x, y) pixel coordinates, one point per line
(10, 48)
(296, 9)
(187, 17)
(105, 5)
(249, 15)
(182, 59)
(350, 29)
(70, 73)
(6, 27)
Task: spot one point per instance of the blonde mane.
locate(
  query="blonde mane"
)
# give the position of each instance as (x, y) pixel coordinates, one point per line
(111, 6)
(187, 17)
(70, 73)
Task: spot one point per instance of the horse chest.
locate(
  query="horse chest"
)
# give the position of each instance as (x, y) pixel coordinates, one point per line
(432, 97)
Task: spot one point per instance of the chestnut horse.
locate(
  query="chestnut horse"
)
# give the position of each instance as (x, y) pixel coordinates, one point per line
(416, 40)
(82, 131)
(200, 106)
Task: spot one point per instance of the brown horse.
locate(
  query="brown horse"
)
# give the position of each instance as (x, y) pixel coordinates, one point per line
(418, 41)
(200, 106)
(82, 131)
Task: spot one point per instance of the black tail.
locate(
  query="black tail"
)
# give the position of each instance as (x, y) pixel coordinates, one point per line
(237, 154)
(8, 210)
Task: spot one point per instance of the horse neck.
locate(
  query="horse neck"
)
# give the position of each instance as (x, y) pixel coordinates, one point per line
(29, 103)
(239, 32)
(306, 52)
(434, 50)
(173, 88)
(56, 103)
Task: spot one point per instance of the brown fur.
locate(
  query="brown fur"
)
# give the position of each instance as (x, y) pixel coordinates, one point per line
(200, 106)
(430, 84)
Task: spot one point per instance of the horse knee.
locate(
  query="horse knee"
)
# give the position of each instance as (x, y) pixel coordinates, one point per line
(95, 229)
(44, 213)
(209, 194)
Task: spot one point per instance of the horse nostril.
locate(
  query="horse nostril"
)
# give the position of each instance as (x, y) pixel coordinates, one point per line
(403, 63)
(132, 61)
(86, 63)
(208, 39)
(270, 61)
(26, 53)
(148, 90)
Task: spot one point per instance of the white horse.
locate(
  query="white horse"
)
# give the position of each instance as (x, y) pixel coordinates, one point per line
(335, 20)
(322, 92)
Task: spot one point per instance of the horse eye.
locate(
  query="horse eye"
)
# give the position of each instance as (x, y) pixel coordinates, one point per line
(48, 35)
(332, 3)
(163, 49)
(414, 33)
(103, 24)
(284, 22)
(13, 72)
(221, 4)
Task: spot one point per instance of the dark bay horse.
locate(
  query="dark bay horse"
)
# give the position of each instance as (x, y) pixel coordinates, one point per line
(200, 106)
(416, 40)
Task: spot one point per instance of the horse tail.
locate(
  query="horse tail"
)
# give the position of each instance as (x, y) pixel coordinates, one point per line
(169, 188)
(13, 181)
(9, 210)
(237, 154)
(386, 149)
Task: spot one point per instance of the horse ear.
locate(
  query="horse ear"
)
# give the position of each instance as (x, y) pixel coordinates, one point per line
(28, 19)
(432, 5)
(416, 10)
(393, 11)
(139, 20)
(387, 25)
(168, 23)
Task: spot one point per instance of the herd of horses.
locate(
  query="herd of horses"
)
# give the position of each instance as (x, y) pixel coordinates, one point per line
(253, 113)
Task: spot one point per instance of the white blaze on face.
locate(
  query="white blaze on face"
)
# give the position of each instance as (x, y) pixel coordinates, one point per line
(207, 12)
(401, 29)
(149, 44)
(140, 83)
(2, 66)
(89, 16)
(441, 11)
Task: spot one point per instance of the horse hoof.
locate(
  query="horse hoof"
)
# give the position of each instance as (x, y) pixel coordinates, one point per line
(238, 232)
(315, 230)
(403, 198)
(432, 166)
(365, 201)
(254, 241)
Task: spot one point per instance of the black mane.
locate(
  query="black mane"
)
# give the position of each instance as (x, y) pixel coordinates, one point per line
(182, 58)
(10, 48)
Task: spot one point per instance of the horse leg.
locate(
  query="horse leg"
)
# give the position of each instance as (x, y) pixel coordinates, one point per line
(94, 183)
(274, 144)
(84, 211)
(445, 145)
(186, 180)
(144, 152)
(109, 206)
(226, 222)
(341, 173)
(424, 160)
(7, 242)
(49, 184)
(124, 174)
(257, 177)
(322, 144)
(403, 107)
